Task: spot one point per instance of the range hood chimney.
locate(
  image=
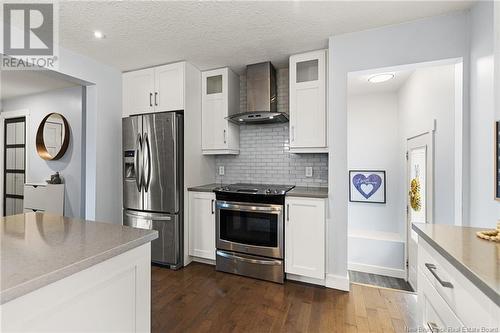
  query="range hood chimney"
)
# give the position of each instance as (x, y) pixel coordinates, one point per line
(262, 99)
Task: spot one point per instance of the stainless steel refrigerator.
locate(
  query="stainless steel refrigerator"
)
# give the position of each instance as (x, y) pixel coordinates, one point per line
(153, 181)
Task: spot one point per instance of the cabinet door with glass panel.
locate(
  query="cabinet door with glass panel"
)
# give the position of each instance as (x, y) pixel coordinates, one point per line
(14, 165)
(308, 123)
(220, 97)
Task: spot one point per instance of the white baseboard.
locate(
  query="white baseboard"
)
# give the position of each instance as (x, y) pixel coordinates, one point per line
(203, 260)
(337, 282)
(379, 270)
(294, 277)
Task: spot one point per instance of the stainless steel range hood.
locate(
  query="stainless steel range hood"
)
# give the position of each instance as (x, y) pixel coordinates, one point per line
(262, 99)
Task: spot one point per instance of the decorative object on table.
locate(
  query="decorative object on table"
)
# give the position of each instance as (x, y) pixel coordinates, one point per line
(491, 235)
(52, 137)
(415, 196)
(55, 179)
(497, 162)
(367, 186)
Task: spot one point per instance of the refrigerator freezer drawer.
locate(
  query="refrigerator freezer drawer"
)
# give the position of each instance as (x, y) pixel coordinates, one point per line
(166, 249)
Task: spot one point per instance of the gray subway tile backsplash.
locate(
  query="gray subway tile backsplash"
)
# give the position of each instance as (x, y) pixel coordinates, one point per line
(264, 151)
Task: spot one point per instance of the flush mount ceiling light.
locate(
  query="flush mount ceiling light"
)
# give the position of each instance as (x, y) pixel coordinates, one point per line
(98, 34)
(378, 78)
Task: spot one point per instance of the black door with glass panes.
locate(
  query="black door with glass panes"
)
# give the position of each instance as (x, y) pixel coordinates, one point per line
(14, 165)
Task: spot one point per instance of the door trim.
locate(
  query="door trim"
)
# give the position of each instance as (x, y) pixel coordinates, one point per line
(430, 189)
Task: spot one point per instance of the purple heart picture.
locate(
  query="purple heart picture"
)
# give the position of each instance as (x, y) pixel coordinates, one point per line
(367, 184)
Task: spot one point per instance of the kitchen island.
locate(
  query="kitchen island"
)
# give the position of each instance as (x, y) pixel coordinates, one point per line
(61, 275)
(458, 279)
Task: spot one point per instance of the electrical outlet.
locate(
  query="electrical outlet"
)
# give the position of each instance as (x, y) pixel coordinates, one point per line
(221, 170)
(309, 171)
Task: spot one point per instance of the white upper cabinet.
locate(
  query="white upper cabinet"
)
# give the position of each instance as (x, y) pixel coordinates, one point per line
(220, 97)
(154, 89)
(169, 84)
(308, 121)
(138, 88)
(305, 237)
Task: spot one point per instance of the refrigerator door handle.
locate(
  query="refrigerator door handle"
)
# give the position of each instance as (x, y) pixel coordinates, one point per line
(148, 216)
(147, 162)
(138, 152)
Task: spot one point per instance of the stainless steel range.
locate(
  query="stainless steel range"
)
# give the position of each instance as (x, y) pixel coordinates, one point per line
(249, 230)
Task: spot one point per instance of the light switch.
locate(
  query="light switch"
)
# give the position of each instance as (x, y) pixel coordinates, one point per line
(309, 171)
(221, 170)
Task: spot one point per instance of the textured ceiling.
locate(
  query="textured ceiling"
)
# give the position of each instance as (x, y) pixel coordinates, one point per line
(216, 34)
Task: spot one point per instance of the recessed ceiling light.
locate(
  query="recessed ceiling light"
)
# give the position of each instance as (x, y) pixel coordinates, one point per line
(240, 119)
(98, 34)
(378, 78)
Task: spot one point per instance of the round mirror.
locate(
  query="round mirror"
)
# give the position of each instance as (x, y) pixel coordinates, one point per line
(52, 137)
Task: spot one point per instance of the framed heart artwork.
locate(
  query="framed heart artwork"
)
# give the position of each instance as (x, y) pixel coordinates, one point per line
(367, 186)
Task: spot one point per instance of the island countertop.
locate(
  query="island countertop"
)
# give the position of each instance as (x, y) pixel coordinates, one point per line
(477, 259)
(38, 249)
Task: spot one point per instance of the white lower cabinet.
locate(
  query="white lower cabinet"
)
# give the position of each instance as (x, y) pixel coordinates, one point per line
(110, 296)
(47, 198)
(447, 300)
(305, 237)
(437, 316)
(201, 221)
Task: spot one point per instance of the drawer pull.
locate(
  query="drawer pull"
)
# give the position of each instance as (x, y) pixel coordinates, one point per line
(432, 268)
(433, 327)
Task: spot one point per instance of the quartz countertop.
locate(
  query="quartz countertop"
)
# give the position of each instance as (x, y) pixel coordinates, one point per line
(477, 259)
(38, 249)
(205, 188)
(309, 192)
(298, 191)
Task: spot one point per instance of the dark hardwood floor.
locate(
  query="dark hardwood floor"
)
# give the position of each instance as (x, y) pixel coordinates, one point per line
(379, 281)
(199, 299)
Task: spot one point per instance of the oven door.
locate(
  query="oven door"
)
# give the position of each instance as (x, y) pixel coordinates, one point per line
(250, 228)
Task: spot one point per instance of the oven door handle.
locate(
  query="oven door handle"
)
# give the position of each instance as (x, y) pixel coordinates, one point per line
(248, 208)
(251, 261)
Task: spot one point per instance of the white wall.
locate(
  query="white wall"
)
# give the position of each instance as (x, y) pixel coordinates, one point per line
(484, 210)
(103, 103)
(68, 102)
(431, 39)
(378, 127)
(428, 94)
(373, 144)
(376, 231)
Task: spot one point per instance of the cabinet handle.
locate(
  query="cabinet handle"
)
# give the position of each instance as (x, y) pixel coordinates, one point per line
(156, 94)
(225, 136)
(293, 133)
(432, 268)
(150, 97)
(212, 206)
(288, 212)
(433, 327)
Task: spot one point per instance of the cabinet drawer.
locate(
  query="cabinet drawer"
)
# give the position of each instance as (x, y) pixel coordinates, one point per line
(472, 307)
(31, 210)
(35, 196)
(436, 315)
